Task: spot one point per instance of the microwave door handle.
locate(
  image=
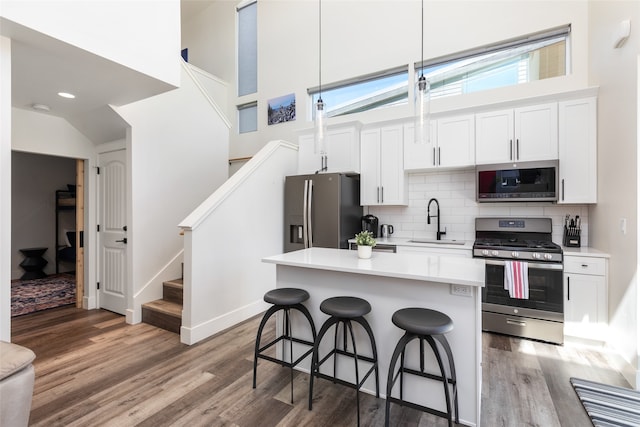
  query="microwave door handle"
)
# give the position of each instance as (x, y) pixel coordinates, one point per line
(540, 266)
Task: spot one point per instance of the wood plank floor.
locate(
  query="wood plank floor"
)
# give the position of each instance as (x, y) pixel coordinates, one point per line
(92, 369)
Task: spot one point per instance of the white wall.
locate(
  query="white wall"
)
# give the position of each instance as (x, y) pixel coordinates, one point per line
(178, 151)
(142, 35)
(616, 72)
(34, 181)
(363, 37)
(5, 189)
(226, 238)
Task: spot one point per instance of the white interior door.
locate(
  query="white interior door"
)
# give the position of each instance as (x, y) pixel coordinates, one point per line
(112, 236)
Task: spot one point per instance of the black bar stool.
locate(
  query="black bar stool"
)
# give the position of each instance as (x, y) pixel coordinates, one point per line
(430, 326)
(284, 299)
(344, 310)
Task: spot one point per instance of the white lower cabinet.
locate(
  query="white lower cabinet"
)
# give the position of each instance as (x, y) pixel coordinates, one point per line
(585, 293)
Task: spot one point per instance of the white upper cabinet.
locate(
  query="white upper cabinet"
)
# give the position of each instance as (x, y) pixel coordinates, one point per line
(343, 150)
(578, 169)
(452, 144)
(382, 176)
(517, 135)
(456, 141)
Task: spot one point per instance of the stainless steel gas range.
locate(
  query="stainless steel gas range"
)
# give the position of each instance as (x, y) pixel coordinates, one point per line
(528, 240)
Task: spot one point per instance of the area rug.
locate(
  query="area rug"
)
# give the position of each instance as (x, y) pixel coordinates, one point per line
(608, 405)
(52, 291)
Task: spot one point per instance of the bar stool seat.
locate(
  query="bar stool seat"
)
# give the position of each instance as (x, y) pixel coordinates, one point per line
(344, 310)
(285, 299)
(430, 326)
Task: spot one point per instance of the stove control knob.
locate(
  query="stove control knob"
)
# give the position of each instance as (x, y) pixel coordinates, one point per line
(548, 256)
(515, 254)
(485, 252)
(536, 255)
(494, 253)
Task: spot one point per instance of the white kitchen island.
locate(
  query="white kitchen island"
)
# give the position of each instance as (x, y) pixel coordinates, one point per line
(391, 281)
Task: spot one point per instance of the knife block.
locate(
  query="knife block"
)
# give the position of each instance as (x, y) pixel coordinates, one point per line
(571, 237)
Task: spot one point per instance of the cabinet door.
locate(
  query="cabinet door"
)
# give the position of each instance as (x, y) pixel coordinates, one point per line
(392, 175)
(419, 157)
(536, 132)
(370, 167)
(456, 141)
(494, 137)
(343, 150)
(308, 160)
(585, 311)
(578, 169)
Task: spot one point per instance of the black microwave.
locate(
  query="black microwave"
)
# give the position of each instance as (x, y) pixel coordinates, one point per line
(517, 182)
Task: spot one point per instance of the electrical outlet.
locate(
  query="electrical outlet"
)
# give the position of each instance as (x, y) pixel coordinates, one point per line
(623, 225)
(462, 290)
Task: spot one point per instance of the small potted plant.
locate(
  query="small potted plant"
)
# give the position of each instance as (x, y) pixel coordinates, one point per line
(365, 242)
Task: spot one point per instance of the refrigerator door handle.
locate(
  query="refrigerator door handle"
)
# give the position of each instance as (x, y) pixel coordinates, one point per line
(309, 223)
(305, 226)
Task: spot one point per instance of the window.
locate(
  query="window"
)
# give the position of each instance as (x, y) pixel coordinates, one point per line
(247, 49)
(363, 93)
(248, 117)
(535, 57)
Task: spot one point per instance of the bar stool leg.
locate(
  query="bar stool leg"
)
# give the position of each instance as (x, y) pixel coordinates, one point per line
(391, 377)
(452, 369)
(445, 383)
(263, 322)
(374, 349)
(314, 358)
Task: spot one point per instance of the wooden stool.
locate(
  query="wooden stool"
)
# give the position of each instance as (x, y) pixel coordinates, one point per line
(284, 299)
(344, 310)
(425, 325)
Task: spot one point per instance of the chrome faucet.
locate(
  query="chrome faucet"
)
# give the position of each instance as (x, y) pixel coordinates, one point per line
(439, 233)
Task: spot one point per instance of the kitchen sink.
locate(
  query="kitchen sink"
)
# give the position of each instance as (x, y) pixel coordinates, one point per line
(440, 242)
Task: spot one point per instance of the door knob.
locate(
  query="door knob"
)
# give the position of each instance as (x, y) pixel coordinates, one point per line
(122, 241)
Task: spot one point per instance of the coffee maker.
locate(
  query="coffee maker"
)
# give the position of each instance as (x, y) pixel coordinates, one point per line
(370, 223)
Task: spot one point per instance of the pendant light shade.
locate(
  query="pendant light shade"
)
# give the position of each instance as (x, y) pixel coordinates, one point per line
(320, 125)
(422, 111)
(422, 97)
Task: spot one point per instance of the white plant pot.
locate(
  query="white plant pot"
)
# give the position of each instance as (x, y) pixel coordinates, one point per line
(364, 252)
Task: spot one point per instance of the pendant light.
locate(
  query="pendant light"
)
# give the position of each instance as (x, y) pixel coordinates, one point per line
(422, 98)
(320, 135)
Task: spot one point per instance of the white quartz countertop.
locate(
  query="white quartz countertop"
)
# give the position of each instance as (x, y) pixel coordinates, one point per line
(584, 251)
(415, 266)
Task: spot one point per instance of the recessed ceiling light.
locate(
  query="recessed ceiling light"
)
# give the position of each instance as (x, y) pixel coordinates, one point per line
(66, 95)
(40, 107)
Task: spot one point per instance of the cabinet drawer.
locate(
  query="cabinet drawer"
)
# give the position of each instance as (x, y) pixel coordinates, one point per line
(584, 265)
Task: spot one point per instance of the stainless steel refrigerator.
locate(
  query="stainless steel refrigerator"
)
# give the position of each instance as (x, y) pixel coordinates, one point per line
(321, 210)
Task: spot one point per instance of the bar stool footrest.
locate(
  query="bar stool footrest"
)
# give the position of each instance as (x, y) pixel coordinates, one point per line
(418, 407)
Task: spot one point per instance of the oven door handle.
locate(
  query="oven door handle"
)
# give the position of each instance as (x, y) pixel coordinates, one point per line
(541, 266)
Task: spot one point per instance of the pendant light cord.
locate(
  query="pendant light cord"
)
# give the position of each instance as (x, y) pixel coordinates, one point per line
(422, 41)
(319, 50)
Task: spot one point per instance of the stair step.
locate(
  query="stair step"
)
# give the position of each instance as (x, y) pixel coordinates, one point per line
(163, 314)
(172, 290)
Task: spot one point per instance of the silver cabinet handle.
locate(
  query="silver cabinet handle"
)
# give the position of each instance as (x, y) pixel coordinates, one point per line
(382, 194)
(439, 158)
(434, 156)
(562, 188)
(568, 288)
(517, 149)
(511, 149)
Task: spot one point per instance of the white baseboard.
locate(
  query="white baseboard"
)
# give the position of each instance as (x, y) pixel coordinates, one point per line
(218, 324)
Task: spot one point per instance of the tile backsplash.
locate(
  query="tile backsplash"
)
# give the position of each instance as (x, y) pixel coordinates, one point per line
(455, 192)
